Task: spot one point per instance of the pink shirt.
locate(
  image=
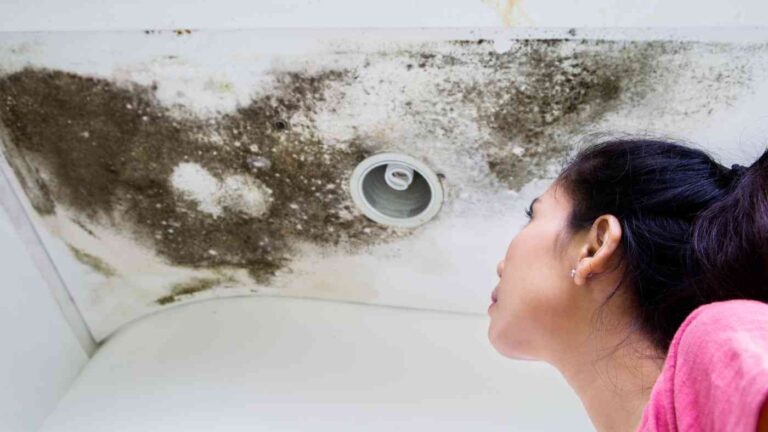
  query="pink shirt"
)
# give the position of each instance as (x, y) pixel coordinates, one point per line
(715, 376)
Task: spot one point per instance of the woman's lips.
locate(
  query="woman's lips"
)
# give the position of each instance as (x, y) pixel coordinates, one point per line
(493, 299)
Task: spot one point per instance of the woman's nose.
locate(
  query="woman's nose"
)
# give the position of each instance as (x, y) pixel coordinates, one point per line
(500, 268)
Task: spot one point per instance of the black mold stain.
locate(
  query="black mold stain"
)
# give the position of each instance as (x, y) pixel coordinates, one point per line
(110, 152)
(560, 86)
(84, 227)
(467, 42)
(178, 32)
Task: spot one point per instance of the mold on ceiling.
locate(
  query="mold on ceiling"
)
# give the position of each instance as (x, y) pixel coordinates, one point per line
(189, 172)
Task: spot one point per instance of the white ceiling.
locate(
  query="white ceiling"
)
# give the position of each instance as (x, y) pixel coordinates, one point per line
(448, 264)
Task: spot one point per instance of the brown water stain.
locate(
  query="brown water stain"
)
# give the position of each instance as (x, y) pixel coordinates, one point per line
(192, 286)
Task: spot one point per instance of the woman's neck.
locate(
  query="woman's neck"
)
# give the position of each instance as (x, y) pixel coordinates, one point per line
(613, 381)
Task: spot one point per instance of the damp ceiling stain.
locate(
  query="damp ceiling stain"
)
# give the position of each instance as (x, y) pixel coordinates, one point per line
(237, 190)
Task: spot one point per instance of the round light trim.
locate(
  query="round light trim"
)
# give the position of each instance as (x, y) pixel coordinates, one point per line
(382, 197)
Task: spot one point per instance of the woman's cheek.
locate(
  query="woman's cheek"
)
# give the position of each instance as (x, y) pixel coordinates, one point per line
(526, 301)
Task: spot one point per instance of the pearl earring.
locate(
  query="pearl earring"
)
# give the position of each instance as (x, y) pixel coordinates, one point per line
(573, 272)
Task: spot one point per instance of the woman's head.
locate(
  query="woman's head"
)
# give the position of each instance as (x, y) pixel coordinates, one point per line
(653, 228)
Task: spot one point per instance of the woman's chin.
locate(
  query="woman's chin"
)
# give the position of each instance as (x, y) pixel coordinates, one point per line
(507, 348)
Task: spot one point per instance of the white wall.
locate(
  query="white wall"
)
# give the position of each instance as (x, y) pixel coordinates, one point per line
(278, 365)
(41, 356)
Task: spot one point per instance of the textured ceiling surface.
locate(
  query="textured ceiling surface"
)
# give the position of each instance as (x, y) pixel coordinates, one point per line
(169, 166)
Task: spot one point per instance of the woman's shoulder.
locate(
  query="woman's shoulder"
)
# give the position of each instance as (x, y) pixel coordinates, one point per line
(730, 306)
(720, 361)
(715, 376)
(723, 338)
(718, 319)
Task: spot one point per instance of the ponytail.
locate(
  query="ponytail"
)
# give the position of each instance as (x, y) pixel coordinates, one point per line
(730, 238)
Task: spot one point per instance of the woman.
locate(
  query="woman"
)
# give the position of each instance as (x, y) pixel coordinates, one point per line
(642, 276)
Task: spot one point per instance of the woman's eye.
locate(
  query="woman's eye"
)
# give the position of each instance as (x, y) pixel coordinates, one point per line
(529, 212)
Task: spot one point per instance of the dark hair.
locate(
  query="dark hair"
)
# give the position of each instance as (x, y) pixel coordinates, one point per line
(693, 230)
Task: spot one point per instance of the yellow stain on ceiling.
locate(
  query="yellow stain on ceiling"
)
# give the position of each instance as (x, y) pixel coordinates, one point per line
(511, 12)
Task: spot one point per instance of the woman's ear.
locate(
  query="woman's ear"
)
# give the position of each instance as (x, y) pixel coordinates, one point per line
(600, 250)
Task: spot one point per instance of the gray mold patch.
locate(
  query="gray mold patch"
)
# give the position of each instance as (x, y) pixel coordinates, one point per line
(110, 151)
